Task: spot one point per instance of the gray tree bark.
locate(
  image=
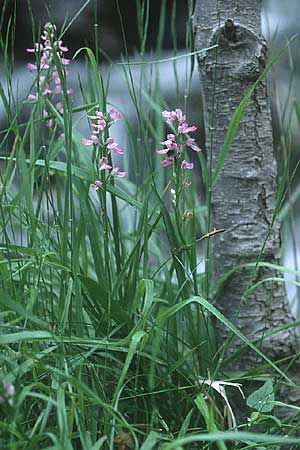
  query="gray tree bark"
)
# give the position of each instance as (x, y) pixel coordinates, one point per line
(243, 198)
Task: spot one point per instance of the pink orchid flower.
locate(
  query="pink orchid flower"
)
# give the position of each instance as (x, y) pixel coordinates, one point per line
(187, 165)
(113, 146)
(114, 115)
(190, 143)
(37, 48)
(104, 165)
(116, 173)
(170, 116)
(100, 125)
(31, 66)
(91, 141)
(33, 97)
(167, 162)
(96, 185)
(163, 151)
(98, 115)
(185, 129)
(180, 116)
(62, 47)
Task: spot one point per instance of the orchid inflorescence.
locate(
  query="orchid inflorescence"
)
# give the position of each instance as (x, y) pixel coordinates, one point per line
(176, 142)
(101, 122)
(49, 78)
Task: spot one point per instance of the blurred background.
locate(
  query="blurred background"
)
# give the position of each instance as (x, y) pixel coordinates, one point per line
(115, 27)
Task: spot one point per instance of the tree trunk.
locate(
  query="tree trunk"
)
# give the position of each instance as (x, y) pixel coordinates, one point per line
(243, 197)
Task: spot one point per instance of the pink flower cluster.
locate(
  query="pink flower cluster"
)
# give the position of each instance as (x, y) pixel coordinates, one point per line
(49, 79)
(176, 143)
(100, 123)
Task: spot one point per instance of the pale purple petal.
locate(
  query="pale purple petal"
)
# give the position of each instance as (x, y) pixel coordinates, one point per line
(85, 141)
(33, 97)
(10, 389)
(100, 125)
(116, 173)
(59, 107)
(47, 91)
(94, 139)
(114, 115)
(190, 141)
(166, 114)
(167, 162)
(171, 137)
(96, 185)
(187, 165)
(184, 128)
(170, 116)
(61, 47)
(114, 147)
(65, 61)
(98, 115)
(168, 143)
(37, 47)
(31, 66)
(195, 148)
(90, 141)
(122, 174)
(163, 151)
(180, 116)
(104, 167)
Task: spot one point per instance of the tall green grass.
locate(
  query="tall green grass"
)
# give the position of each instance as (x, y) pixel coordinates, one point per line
(107, 323)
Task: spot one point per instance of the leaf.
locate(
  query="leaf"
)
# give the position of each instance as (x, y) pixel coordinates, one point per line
(151, 441)
(209, 419)
(20, 336)
(100, 296)
(261, 398)
(216, 313)
(186, 423)
(143, 299)
(135, 341)
(99, 443)
(240, 436)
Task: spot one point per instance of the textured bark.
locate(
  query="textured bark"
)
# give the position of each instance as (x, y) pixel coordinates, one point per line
(243, 198)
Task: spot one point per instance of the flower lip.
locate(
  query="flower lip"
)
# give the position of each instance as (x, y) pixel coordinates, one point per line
(114, 146)
(98, 115)
(171, 137)
(96, 185)
(187, 165)
(184, 128)
(116, 173)
(100, 125)
(93, 140)
(163, 151)
(168, 161)
(114, 115)
(104, 165)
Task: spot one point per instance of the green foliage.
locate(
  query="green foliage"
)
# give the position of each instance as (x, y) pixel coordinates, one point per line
(261, 400)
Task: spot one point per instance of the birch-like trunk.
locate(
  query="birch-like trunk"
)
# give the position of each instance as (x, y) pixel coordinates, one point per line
(243, 198)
